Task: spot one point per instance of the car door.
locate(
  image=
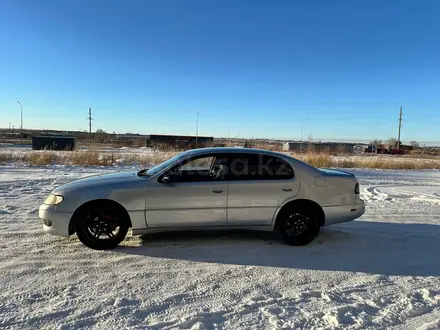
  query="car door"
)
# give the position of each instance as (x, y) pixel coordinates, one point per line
(193, 197)
(258, 185)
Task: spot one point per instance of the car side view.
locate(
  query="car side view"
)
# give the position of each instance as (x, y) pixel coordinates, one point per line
(205, 189)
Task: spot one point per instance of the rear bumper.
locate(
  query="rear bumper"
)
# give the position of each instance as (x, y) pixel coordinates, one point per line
(55, 222)
(343, 213)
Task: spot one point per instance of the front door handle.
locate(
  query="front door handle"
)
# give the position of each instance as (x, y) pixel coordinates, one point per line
(217, 191)
(287, 189)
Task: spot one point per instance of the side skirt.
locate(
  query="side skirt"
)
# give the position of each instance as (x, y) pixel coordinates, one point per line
(143, 231)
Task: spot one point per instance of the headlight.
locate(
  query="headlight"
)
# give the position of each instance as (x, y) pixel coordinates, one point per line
(53, 199)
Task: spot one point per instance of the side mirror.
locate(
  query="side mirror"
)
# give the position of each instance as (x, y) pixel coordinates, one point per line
(166, 179)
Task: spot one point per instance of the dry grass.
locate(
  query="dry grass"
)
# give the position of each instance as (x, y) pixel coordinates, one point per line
(84, 158)
(377, 162)
(6, 156)
(166, 147)
(315, 159)
(269, 146)
(87, 158)
(93, 157)
(386, 162)
(42, 158)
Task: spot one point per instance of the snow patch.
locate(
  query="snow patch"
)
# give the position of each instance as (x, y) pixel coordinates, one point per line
(379, 272)
(430, 326)
(426, 200)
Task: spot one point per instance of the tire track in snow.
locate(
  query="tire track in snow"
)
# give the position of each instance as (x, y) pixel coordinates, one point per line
(57, 283)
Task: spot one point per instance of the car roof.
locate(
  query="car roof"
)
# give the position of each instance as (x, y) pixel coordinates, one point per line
(239, 150)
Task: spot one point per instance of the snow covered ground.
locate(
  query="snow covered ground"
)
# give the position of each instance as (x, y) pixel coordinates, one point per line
(379, 272)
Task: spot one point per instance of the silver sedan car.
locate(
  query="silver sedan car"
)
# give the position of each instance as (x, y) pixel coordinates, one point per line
(205, 189)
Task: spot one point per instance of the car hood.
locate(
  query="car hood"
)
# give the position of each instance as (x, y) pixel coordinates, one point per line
(330, 172)
(100, 179)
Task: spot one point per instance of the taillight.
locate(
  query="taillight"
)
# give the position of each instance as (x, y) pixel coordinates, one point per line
(356, 189)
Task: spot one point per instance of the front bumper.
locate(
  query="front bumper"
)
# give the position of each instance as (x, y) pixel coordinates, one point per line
(55, 222)
(343, 213)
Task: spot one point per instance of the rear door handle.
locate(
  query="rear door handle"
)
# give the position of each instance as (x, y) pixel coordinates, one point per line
(217, 191)
(287, 189)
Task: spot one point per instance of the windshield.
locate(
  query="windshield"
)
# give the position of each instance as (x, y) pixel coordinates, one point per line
(156, 169)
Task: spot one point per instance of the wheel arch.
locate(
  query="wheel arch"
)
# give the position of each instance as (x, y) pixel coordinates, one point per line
(84, 206)
(300, 203)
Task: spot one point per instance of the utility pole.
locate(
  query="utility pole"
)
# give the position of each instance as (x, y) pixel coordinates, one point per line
(21, 115)
(400, 127)
(374, 139)
(197, 129)
(90, 125)
(302, 136)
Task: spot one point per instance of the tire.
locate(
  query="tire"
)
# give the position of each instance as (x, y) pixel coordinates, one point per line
(299, 225)
(101, 227)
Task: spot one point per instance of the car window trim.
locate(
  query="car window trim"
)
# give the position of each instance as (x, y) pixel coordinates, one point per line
(215, 155)
(241, 154)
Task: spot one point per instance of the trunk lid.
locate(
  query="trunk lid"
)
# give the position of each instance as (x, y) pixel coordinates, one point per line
(338, 173)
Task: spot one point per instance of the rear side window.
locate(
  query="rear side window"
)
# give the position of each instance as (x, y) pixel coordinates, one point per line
(258, 167)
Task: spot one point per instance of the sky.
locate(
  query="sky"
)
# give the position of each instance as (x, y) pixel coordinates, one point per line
(269, 69)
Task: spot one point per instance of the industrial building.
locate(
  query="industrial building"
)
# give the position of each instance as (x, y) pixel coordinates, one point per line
(53, 142)
(298, 146)
(129, 137)
(179, 141)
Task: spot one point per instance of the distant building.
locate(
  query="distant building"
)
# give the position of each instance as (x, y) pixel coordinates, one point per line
(364, 148)
(181, 141)
(53, 142)
(129, 137)
(333, 147)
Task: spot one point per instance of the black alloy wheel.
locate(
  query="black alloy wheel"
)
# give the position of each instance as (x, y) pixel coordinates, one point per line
(299, 226)
(102, 228)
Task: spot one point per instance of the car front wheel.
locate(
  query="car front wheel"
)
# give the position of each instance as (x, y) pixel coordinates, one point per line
(299, 226)
(101, 227)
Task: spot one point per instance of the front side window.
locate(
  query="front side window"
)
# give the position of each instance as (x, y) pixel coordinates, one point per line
(156, 169)
(200, 169)
(259, 167)
(198, 164)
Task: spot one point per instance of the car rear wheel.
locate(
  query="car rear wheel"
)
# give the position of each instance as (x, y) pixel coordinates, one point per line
(101, 227)
(299, 226)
